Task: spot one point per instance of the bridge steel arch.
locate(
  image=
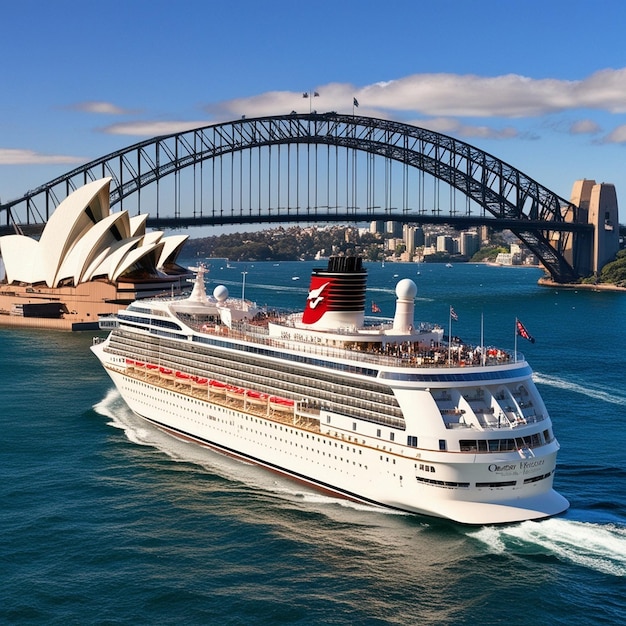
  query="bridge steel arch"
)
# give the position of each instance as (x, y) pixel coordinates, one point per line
(507, 198)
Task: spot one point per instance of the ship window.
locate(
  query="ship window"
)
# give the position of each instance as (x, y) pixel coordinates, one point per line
(411, 441)
(392, 436)
(353, 425)
(467, 445)
(378, 432)
(507, 483)
(442, 444)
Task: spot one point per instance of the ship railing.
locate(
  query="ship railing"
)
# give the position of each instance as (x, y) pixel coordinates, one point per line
(404, 354)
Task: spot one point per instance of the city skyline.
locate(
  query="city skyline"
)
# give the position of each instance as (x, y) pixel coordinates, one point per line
(531, 86)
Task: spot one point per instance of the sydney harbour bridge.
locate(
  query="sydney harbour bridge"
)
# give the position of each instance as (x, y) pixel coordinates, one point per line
(321, 168)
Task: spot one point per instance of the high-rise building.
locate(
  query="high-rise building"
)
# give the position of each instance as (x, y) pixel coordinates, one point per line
(394, 229)
(469, 243)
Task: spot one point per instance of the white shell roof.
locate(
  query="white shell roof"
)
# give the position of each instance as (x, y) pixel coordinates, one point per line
(83, 240)
(136, 255)
(171, 249)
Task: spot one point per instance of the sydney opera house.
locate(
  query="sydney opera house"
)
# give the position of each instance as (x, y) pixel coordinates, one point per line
(87, 262)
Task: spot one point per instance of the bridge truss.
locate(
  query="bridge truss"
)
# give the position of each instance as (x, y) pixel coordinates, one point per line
(323, 168)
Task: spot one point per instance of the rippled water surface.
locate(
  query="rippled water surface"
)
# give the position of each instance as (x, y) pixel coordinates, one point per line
(105, 520)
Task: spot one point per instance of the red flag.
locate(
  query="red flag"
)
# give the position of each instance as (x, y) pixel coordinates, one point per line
(375, 308)
(522, 332)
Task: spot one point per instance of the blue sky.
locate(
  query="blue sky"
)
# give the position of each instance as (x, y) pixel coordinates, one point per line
(539, 84)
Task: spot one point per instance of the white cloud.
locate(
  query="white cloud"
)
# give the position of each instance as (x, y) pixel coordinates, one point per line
(584, 127)
(9, 156)
(101, 108)
(447, 95)
(452, 126)
(150, 128)
(617, 135)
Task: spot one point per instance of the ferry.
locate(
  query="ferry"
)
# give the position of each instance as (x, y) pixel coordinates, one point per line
(384, 412)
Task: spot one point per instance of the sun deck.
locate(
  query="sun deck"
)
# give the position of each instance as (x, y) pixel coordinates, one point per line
(377, 350)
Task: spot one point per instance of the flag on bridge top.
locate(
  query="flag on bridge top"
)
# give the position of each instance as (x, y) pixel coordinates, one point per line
(522, 332)
(305, 94)
(355, 102)
(453, 315)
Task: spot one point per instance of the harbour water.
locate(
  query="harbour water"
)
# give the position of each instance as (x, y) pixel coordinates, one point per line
(104, 520)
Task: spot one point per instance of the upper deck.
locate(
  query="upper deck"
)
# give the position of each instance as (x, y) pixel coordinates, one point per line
(379, 351)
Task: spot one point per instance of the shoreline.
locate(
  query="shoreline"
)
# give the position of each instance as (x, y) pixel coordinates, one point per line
(546, 282)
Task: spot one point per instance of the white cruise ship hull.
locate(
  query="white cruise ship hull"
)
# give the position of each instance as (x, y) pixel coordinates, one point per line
(465, 487)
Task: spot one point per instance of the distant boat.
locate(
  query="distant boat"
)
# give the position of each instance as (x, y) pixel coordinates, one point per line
(295, 278)
(448, 264)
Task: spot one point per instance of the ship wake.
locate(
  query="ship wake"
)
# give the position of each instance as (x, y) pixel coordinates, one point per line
(586, 390)
(599, 547)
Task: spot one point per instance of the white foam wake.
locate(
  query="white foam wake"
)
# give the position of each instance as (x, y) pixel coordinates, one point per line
(120, 416)
(600, 547)
(589, 391)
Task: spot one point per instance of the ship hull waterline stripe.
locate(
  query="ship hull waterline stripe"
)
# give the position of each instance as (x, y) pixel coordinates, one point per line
(319, 485)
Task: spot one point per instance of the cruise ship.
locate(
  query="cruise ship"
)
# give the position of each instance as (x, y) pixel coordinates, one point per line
(391, 414)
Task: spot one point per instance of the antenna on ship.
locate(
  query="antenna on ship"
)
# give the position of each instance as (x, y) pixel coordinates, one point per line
(198, 293)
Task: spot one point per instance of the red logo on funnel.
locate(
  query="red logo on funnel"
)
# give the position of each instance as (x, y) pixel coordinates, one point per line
(317, 300)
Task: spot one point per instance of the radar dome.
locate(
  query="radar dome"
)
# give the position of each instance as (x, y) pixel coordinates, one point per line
(220, 293)
(406, 289)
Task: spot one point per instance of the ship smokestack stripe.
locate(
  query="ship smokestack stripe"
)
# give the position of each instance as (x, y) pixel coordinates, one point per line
(337, 294)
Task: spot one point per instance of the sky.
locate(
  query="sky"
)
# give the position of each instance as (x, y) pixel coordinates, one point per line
(539, 84)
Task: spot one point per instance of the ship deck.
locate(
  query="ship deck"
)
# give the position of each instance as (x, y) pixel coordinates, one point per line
(382, 351)
(300, 415)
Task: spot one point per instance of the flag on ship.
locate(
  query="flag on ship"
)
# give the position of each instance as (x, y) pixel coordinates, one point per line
(522, 332)
(375, 308)
(453, 315)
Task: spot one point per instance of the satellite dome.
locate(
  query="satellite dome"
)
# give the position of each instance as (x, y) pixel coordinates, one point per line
(406, 289)
(220, 293)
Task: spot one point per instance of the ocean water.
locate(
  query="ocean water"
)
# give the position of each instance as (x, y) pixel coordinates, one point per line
(105, 520)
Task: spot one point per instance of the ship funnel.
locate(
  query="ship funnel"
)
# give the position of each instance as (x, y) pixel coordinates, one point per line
(337, 295)
(406, 290)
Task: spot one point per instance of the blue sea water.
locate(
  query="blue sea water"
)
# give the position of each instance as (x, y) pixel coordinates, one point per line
(104, 520)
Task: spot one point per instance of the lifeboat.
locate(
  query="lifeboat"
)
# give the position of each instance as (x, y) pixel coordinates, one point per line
(281, 404)
(217, 387)
(235, 392)
(183, 376)
(256, 397)
(199, 382)
(152, 366)
(166, 372)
